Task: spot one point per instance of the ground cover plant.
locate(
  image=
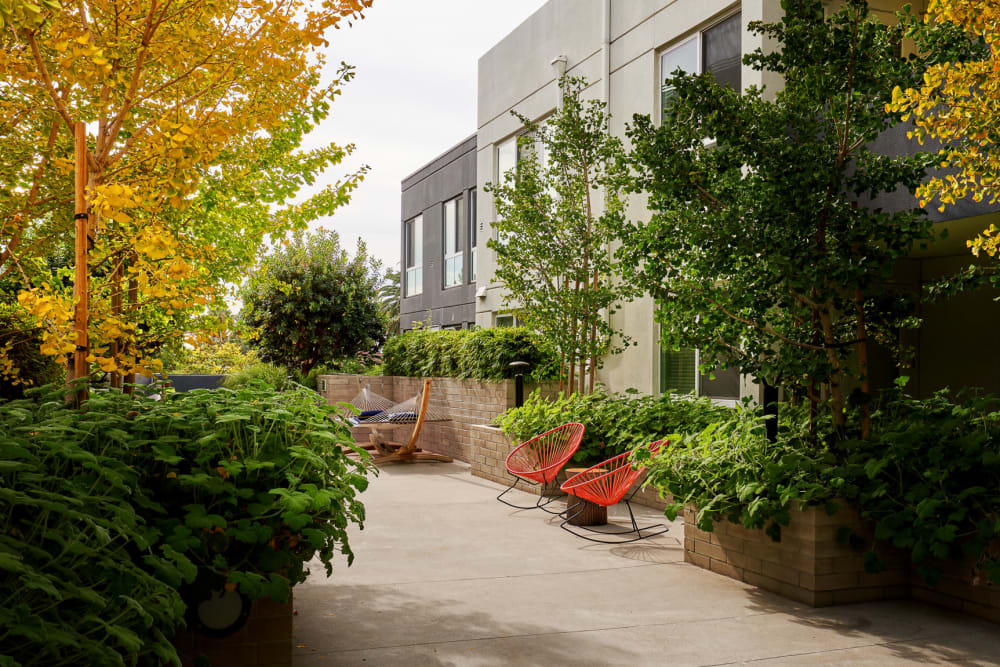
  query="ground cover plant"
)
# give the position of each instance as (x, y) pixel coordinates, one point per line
(144, 503)
(928, 476)
(482, 354)
(615, 423)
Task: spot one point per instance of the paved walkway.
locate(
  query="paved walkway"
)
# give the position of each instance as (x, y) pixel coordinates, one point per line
(445, 575)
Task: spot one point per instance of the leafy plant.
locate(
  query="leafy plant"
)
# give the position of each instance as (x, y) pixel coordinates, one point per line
(760, 250)
(214, 359)
(78, 568)
(110, 511)
(265, 375)
(252, 483)
(614, 423)
(928, 477)
(483, 354)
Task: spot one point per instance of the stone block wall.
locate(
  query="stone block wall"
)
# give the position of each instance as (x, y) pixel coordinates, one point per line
(808, 565)
(265, 640)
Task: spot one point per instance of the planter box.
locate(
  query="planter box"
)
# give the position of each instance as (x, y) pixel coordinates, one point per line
(808, 565)
(959, 590)
(265, 640)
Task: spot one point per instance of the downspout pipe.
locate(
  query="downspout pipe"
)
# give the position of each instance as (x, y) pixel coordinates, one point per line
(606, 54)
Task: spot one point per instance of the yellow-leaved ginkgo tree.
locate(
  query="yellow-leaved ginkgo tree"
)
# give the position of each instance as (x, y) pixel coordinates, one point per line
(195, 112)
(959, 105)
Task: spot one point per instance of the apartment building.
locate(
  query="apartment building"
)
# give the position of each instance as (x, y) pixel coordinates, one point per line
(625, 49)
(438, 267)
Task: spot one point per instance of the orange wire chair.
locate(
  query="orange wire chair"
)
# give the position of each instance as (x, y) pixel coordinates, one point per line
(539, 460)
(606, 484)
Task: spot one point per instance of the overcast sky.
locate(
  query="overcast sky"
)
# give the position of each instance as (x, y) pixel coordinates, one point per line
(414, 97)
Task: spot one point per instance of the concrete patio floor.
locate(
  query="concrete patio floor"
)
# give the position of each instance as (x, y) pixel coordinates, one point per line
(445, 575)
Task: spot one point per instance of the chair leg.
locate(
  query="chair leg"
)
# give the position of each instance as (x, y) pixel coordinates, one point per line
(636, 530)
(538, 503)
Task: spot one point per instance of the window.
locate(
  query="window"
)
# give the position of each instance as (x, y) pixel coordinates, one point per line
(453, 252)
(414, 246)
(716, 50)
(507, 320)
(506, 157)
(679, 374)
(472, 236)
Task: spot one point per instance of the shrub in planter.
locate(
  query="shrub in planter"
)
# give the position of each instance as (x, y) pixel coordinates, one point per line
(250, 484)
(111, 509)
(928, 478)
(77, 564)
(615, 422)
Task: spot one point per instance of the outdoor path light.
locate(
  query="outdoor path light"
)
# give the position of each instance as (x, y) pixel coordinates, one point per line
(519, 368)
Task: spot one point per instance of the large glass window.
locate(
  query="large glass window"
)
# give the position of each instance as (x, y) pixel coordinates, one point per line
(414, 242)
(721, 53)
(453, 252)
(472, 236)
(716, 50)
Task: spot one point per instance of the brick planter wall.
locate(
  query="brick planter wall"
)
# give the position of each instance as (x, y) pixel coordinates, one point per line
(472, 405)
(807, 565)
(957, 589)
(265, 640)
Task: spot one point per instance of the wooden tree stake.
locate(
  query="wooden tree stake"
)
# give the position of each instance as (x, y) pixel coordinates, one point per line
(80, 289)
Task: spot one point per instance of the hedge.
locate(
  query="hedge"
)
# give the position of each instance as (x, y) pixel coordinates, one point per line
(483, 354)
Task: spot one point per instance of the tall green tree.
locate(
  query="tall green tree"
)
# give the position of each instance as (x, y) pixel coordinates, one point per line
(557, 213)
(311, 301)
(760, 249)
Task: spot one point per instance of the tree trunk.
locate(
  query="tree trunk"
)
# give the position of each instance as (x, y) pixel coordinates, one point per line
(836, 391)
(866, 417)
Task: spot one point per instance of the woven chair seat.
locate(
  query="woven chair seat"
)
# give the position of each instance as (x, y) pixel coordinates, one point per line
(541, 458)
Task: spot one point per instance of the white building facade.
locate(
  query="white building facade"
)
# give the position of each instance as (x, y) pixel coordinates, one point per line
(625, 49)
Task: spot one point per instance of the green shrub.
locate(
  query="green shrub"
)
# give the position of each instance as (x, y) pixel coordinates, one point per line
(929, 477)
(77, 567)
(483, 354)
(268, 375)
(109, 511)
(615, 422)
(214, 359)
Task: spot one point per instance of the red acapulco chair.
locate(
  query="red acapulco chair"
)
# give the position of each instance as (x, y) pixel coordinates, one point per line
(539, 460)
(606, 484)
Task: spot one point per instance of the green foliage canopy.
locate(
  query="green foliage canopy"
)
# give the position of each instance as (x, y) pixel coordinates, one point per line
(310, 302)
(556, 216)
(760, 250)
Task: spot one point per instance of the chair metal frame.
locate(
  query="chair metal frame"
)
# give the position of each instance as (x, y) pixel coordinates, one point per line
(546, 474)
(616, 483)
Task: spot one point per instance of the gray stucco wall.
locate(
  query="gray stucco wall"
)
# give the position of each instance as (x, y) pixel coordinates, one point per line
(451, 174)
